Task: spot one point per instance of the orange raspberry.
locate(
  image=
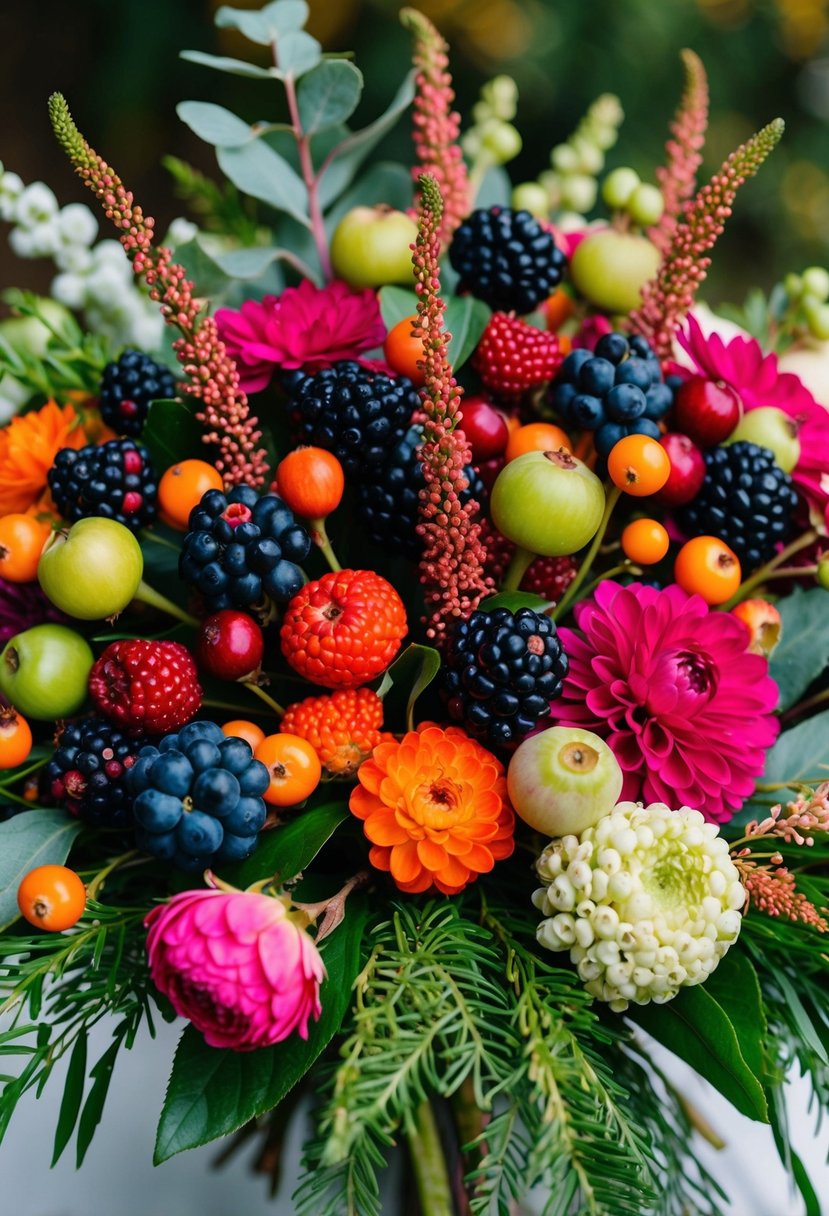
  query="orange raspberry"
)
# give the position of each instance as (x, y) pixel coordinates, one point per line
(343, 728)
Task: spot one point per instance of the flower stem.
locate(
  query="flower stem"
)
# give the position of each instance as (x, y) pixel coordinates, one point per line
(762, 575)
(522, 559)
(584, 569)
(795, 711)
(154, 599)
(148, 534)
(625, 567)
(263, 696)
(429, 1164)
(100, 878)
(320, 539)
(311, 180)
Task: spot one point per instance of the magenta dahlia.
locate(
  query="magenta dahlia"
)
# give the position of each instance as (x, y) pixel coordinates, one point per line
(302, 328)
(671, 687)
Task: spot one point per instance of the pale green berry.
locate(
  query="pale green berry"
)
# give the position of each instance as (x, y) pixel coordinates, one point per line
(565, 159)
(578, 193)
(501, 140)
(590, 157)
(645, 205)
(502, 94)
(822, 575)
(482, 112)
(618, 186)
(817, 316)
(793, 286)
(551, 181)
(603, 136)
(608, 110)
(816, 282)
(532, 197)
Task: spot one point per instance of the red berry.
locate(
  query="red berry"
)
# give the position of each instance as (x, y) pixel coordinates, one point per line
(146, 687)
(513, 356)
(342, 727)
(485, 428)
(343, 629)
(132, 461)
(707, 410)
(132, 501)
(550, 577)
(229, 645)
(687, 470)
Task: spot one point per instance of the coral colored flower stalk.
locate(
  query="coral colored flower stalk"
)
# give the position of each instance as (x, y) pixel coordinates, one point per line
(237, 965)
(683, 151)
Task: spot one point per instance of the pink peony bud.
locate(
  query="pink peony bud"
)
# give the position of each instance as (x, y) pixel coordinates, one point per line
(237, 965)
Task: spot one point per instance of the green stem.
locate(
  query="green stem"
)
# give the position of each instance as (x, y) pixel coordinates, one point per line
(148, 534)
(263, 696)
(100, 878)
(154, 599)
(434, 1189)
(521, 561)
(625, 567)
(584, 569)
(320, 539)
(804, 706)
(762, 575)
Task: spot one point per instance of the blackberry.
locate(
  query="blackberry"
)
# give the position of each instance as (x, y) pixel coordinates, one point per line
(242, 550)
(506, 259)
(746, 500)
(115, 480)
(502, 670)
(128, 387)
(357, 414)
(87, 773)
(616, 390)
(389, 504)
(197, 798)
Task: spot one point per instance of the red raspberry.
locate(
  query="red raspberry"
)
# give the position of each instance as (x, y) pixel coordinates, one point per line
(146, 687)
(513, 356)
(343, 727)
(343, 629)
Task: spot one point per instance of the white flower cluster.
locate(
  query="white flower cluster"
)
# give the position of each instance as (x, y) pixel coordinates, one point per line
(646, 901)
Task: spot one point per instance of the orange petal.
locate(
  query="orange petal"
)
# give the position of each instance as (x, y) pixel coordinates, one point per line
(404, 863)
(383, 828)
(362, 804)
(379, 858)
(453, 874)
(431, 855)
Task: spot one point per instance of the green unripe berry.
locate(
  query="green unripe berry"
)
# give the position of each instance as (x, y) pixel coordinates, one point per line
(590, 157)
(618, 186)
(565, 159)
(817, 316)
(502, 94)
(603, 136)
(816, 282)
(607, 109)
(578, 193)
(482, 112)
(551, 181)
(645, 205)
(822, 576)
(501, 140)
(532, 197)
(793, 286)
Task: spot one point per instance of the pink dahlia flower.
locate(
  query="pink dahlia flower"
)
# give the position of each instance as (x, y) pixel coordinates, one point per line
(237, 965)
(759, 381)
(672, 689)
(303, 327)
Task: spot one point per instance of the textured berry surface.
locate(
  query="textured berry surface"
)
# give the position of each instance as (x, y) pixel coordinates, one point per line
(550, 577)
(356, 413)
(87, 773)
(146, 687)
(128, 387)
(513, 356)
(746, 500)
(115, 480)
(343, 629)
(343, 728)
(505, 258)
(502, 670)
(242, 551)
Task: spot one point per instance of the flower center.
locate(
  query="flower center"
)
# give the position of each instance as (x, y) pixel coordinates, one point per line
(437, 803)
(695, 671)
(676, 885)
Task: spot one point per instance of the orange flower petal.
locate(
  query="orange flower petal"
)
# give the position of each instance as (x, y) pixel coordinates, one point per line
(362, 803)
(383, 828)
(433, 856)
(405, 866)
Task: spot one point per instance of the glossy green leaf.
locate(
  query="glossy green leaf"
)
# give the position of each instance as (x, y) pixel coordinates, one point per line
(328, 95)
(801, 754)
(515, 600)
(257, 170)
(213, 1092)
(73, 1088)
(396, 303)
(356, 146)
(224, 63)
(406, 679)
(465, 319)
(736, 989)
(286, 850)
(172, 433)
(803, 651)
(94, 1106)
(32, 838)
(252, 262)
(265, 26)
(214, 124)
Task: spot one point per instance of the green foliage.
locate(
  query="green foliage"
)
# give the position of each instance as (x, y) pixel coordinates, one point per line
(32, 838)
(285, 851)
(465, 319)
(803, 651)
(800, 755)
(173, 433)
(60, 358)
(409, 675)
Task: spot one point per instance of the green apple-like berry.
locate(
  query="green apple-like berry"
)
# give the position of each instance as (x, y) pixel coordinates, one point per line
(645, 205)
(547, 502)
(532, 197)
(610, 269)
(773, 429)
(815, 282)
(44, 671)
(93, 570)
(817, 316)
(618, 186)
(371, 247)
(563, 780)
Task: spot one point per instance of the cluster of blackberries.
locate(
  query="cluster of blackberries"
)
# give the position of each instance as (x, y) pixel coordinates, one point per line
(506, 259)
(128, 387)
(88, 770)
(115, 480)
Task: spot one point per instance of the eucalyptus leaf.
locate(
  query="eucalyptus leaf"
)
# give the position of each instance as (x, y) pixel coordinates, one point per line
(328, 95)
(253, 261)
(214, 124)
(383, 182)
(265, 26)
(396, 303)
(495, 189)
(801, 754)
(296, 54)
(32, 838)
(352, 151)
(803, 650)
(223, 63)
(257, 170)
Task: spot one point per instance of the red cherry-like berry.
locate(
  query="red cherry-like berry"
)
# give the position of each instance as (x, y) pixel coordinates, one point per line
(229, 645)
(146, 687)
(343, 629)
(485, 428)
(706, 410)
(687, 470)
(513, 356)
(550, 577)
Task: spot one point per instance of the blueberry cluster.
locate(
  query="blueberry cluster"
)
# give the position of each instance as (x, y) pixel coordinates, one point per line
(197, 798)
(389, 503)
(356, 413)
(506, 259)
(128, 387)
(746, 500)
(616, 390)
(242, 549)
(88, 770)
(502, 671)
(115, 480)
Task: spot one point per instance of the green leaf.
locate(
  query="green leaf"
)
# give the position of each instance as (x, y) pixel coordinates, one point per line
(696, 1028)
(383, 182)
(214, 124)
(356, 147)
(223, 63)
(267, 25)
(803, 651)
(495, 189)
(806, 1029)
(32, 838)
(396, 303)
(257, 170)
(252, 262)
(328, 95)
(73, 1088)
(466, 319)
(408, 676)
(296, 54)
(800, 754)
(287, 849)
(213, 1092)
(94, 1105)
(515, 600)
(172, 433)
(736, 989)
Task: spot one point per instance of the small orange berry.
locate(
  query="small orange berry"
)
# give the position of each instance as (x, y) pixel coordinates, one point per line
(15, 738)
(343, 727)
(537, 437)
(22, 538)
(558, 308)
(51, 897)
(403, 350)
(638, 465)
(240, 728)
(294, 767)
(181, 488)
(311, 482)
(706, 566)
(645, 541)
(762, 620)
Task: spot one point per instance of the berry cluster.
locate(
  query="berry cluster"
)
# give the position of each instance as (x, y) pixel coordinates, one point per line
(616, 390)
(343, 728)
(242, 550)
(506, 259)
(115, 480)
(128, 387)
(197, 798)
(87, 772)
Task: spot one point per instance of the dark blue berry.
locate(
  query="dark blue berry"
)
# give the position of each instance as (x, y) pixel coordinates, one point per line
(255, 779)
(235, 848)
(157, 812)
(597, 376)
(200, 729)
(235, 755)
(199, 834)
(587, 411)
(612, 346)
(172, 773)
(247, 817)
(162, 845)
(216, 791)
(506, 258)
(202, 754)
(625, 402)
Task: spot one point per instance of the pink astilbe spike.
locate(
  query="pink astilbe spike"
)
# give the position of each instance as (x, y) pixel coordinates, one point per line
(212, 376)
(436, 126)
(668, 297)
(452, 566)
(683, 151)
(772, 890)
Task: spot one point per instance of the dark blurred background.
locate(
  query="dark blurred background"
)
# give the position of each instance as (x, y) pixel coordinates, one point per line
(118, 65)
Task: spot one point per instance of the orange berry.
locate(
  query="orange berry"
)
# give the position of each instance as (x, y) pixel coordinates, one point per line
(638, 465)
(181, 488)
(294, 767)
(645, 541)
(403, 350)
(706, 566)
(15, 738)
(51, 897)
(557, 308)
(240, 728)
(22, 538)
(343, 728)
(762, 620)
(311, 481)
(536, 437)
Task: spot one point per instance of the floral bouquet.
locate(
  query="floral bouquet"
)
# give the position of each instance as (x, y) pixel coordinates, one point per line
(414, 673)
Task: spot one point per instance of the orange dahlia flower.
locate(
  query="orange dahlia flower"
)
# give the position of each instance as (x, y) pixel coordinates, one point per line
(343, 728)
(28, 446)
(435, 809)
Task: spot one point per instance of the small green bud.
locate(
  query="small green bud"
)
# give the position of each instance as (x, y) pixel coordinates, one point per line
(618, 186)
(565, 159)
(822, 576)
(816, 282)
(532, 197)
(793, 286)
(502, 140)
(817, 316)
(608, 110)
(502, 94)
(551, 181)
(578, 193)
(591, 158)
(645, 205)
